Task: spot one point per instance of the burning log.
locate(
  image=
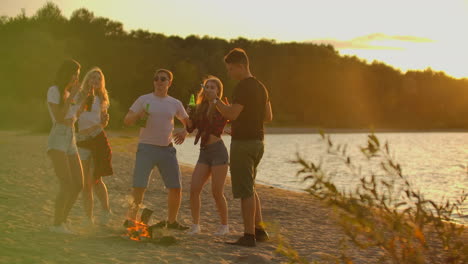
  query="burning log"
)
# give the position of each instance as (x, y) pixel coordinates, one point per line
(141, 231)
(137, 231)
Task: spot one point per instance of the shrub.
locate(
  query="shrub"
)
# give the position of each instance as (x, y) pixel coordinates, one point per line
(386, 211)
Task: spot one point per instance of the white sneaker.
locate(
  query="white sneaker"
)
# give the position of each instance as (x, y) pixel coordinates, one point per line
(105, 217)
(61, 229)
(222, 230)
(194, 230)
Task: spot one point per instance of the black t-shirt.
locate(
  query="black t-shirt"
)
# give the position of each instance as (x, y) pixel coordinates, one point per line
(253, 95)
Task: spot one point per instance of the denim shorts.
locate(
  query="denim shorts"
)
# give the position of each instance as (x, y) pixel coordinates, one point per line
(85, 153)
(214, 154)
(164, 158)
(62, 137)
(244, 159)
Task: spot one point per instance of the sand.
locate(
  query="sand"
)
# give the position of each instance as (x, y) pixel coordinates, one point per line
(28, 187)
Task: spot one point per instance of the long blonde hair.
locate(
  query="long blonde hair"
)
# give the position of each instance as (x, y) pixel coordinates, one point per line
(202, 103)
(102, 92)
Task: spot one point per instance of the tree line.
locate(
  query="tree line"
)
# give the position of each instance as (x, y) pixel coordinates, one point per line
(309, 84)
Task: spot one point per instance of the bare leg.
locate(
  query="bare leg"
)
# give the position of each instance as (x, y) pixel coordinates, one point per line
(62, 171)
(76, 180)
(258, 211)
(218, 180)
(248, 214)
(87, 194)
(138, 194)
(174, 198)
(200, 176)
(101, 191)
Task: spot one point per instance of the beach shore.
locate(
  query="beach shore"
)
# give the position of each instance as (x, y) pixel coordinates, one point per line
(27, 197)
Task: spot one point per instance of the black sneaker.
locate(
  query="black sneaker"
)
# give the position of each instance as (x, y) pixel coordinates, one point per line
(176, 226)
(160, 224)
(247, 240)
(261, 235)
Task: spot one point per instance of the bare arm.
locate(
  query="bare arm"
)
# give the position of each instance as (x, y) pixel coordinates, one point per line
(230, 112)
(132, 117)
(179, 137)
(268, 112)
(104, 118)
(60, 112)
(188, 124)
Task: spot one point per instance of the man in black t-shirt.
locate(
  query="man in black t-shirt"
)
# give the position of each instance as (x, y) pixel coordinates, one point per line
(249, 110)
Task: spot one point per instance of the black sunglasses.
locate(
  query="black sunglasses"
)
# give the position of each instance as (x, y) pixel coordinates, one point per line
(163, 79)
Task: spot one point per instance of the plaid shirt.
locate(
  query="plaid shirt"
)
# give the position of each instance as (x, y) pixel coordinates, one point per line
(207, 128)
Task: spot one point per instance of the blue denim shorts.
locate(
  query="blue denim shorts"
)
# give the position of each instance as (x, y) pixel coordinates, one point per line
(214, 154)
(62, 137)
(164, 158)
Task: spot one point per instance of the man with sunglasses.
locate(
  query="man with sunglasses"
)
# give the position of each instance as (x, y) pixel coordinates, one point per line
(155, 145)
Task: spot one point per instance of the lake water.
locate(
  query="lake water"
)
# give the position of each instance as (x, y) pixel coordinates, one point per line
(435, 163)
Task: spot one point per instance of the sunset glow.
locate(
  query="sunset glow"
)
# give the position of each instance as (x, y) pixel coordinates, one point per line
(405, 34)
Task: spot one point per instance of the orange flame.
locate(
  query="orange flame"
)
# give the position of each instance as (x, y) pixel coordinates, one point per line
(138, 231)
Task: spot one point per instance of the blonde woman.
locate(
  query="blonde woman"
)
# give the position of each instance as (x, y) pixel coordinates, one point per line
(61, 145)
(213, 159)
(92, 144)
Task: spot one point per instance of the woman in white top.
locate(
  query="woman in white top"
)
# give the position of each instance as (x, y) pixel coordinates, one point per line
(93, 118)
(61, 146)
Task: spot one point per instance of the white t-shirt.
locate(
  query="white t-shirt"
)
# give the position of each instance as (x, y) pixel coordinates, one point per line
(91, 118)
(160, 123)
(53, 96)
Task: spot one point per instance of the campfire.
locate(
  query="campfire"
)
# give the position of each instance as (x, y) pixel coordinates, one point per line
(141, 231)
(137, 231)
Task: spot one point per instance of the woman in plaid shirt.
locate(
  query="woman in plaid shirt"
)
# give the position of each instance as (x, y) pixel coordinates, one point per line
(213, 159)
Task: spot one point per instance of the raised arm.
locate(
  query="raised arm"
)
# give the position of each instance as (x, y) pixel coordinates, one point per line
(230, 112)
(61, 111)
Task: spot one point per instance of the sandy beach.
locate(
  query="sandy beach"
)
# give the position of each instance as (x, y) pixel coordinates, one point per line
(28, 187)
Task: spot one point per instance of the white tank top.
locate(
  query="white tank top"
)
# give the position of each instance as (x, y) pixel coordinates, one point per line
(91, 118)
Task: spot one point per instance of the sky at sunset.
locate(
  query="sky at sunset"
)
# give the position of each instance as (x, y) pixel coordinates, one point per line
(407, 34)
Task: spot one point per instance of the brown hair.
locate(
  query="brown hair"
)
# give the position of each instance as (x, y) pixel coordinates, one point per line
(168, 72)
(237, 56)
(202, 104)
(64, 74)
